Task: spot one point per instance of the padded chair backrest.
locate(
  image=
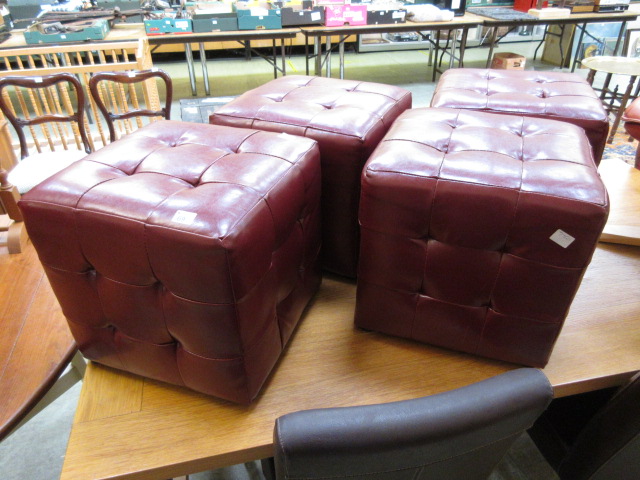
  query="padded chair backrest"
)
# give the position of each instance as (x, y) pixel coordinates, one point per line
(460, 434)
(39, 100)
(609, 445)
(117, 103)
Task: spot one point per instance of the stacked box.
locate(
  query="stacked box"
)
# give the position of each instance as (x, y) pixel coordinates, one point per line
(508, 61)
(292, 17)
(337, 15)
(383, 17)
(259, 19)
(168, 25)
(214, 22)
(95, 30)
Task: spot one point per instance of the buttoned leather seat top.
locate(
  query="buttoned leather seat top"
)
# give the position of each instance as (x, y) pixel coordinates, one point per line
(554, 95)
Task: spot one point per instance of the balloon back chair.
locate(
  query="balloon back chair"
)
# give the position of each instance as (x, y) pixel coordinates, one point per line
(121, 96)
(48, 117)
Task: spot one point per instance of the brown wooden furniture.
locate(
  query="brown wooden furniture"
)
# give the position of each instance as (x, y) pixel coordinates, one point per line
(13, 235)
(54, 98)
(118, 99)
(611, 99)
(623, 183)
(127, 427)
(35, 345)
(51, 109)
(82, 60)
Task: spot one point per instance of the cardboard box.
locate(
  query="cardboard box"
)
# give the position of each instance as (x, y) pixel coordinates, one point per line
(95, 30)
(338, 15)
(292, 17)
(525, 5)
(214, 22)
(508, 61)
(384, 17)
(168, 25)
(259, 19)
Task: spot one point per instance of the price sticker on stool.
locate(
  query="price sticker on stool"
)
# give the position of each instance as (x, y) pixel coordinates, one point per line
(183, 217)
(562, 238)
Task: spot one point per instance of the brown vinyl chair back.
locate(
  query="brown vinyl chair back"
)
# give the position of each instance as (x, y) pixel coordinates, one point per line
(461, 434)
(57, 99)
(117, 103)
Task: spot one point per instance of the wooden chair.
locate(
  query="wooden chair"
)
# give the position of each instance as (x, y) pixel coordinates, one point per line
(14, 235)
(57, 99)
(119, 104)
(51, 109)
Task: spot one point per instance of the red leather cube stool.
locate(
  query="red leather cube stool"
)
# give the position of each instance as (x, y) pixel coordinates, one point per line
(184, 252)
(348, 119)
(554, 95)
(631, 119)
(476, 231)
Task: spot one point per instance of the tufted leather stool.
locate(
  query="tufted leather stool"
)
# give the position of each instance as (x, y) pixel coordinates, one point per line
(631, 119)
(348, 119)
(184, 252)
(554, 95)
(476, 231)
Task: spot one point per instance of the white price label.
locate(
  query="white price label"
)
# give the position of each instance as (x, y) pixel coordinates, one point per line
(185, 218)
(562, 238)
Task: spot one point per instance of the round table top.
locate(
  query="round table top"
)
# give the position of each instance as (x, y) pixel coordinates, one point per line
(617, 65)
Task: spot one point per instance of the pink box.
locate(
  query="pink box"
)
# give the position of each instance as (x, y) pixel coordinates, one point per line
(337, 15)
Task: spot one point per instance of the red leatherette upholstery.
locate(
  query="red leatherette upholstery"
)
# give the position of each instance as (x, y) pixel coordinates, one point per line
(631, 119)
(461, 434)
(476, 231)
(553, 95)
(348, 119)
(184, 252)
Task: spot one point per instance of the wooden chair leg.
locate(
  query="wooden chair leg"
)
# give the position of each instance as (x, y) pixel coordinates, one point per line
(17, 237)
(12, 221)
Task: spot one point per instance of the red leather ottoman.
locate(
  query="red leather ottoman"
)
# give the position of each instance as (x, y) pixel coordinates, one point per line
(554, 95)
(184, 252)
(631, 119)
(476, 231)
(348, 119)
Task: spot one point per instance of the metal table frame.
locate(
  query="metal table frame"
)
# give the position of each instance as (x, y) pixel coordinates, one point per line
(323, 59)
(243, 37)
(579, 19)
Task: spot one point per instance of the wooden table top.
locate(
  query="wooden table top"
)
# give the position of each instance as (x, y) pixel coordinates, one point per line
(122, 32)
(464, 21)
(617, 65)
(574, 18)
(623, 182)
(36, 344)
(130, 427)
